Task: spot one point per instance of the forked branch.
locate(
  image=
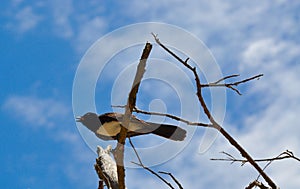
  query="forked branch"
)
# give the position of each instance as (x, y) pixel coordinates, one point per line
(284, 155)
(215, 125)
(173, 178)
(151, 171)
(255, 184)
(231, 85)
(119, 152)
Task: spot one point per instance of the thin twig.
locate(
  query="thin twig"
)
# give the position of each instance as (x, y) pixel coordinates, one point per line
(147, 168)
(212, 120)
(284, 155)
(172, 117)
(226, 77)
(169, 51)
(256, 184)
(230, 85)
(174, 179)
(135, 109)
(154, 173)
(137, 155)
(118, 106)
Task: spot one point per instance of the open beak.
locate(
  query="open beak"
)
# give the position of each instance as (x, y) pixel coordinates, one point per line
(79, 119)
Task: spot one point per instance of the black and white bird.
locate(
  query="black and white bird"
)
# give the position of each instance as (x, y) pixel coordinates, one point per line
(108, 126)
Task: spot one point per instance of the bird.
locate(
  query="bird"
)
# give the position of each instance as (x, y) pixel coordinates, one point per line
(107, 126)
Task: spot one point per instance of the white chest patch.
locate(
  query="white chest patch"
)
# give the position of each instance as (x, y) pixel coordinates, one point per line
(109, 129)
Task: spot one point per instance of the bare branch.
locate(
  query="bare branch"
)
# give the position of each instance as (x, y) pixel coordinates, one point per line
(212, 120)
(172, 117)
(230, 85)
(175, 180)
(119, 152)
(118, 106)
(256, 184)
(173, 54)
(284, 155)
(234, 89)
(147, 168)
(137, 155)
(135, 109)
(224, 78)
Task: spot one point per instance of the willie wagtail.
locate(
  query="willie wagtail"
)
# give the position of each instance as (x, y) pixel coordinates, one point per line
(108, 126)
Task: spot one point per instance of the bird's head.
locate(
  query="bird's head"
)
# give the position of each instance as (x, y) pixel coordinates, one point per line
(87, 118)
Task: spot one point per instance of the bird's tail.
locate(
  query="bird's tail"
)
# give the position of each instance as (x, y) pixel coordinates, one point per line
(170, 131)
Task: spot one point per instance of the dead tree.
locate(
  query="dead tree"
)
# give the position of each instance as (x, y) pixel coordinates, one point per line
(113, 181)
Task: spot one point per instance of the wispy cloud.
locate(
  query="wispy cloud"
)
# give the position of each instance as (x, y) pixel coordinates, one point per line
(268, 52)
(89, 31)
(217, 22)
(62, 16)
(35, 111)
(64, 19)
(232, 24)
(274, 125)
(24, 20)
(277, 59)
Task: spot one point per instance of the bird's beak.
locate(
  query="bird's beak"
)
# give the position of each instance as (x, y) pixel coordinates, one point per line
(79, 119)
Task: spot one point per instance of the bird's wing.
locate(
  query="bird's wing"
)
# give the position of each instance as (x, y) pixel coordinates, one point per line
(111, 128)
(107, 117)
(112, 116)
(136, 125)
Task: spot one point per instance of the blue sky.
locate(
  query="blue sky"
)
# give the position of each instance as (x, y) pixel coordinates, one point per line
(42, 43)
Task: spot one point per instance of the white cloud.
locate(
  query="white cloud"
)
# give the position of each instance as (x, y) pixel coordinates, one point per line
(35, 111)
(274, 128)
(277, 59)
(226, 27)
(62, 16)
(67, 19)
(271, 131)
(38, 112)
(216, 22)
(67, 136)
(268, 52)
(25, 19)
(89, 31)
